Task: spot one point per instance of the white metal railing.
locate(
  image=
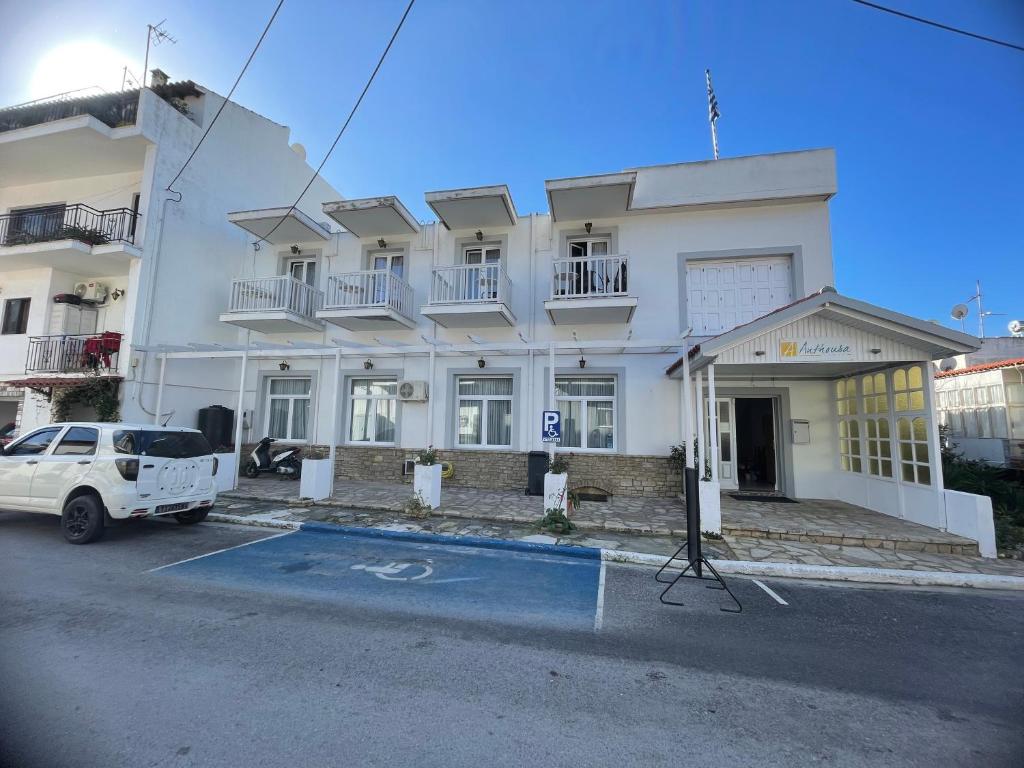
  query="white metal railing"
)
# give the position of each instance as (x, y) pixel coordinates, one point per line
(470, 284)
(589, 277)
(271, 294)
(369, 288)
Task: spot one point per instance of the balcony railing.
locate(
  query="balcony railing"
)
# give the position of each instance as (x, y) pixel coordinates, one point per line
(283, 293)
(470, 284)
(369, 288)
(587, 278)
(68, 222)
(113, 109)
(73, 354)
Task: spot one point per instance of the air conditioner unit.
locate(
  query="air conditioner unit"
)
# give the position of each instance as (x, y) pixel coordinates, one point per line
(92, 291)
(412, 391)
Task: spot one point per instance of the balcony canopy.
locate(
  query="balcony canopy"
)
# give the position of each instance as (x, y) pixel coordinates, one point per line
(474, 207)
(373, 217)
(590, 197)
(297, 227)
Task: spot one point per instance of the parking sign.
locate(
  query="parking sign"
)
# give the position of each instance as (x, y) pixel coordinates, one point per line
(551, 427)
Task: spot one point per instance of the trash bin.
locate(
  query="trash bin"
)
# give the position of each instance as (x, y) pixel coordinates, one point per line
(536, 466)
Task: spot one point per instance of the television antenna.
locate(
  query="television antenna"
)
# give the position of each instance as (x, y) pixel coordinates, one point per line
(155, 35)
(982, 312)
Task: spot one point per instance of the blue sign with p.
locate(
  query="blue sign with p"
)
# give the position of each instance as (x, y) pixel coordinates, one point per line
(551, 427)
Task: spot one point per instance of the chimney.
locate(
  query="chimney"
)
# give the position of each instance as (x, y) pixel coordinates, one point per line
(158, 77)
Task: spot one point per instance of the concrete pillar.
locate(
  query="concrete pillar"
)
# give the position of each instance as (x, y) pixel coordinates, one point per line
(238, 416)
(713, 411)
(700, 425)
(334, 413)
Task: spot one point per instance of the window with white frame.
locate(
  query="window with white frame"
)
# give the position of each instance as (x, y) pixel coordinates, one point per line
(484, 411)
(877, 440)
(373, 411)
(288, 402)
(849, 426)
(484, 270)
(913, 449)
(1015, 408)
(588, 410)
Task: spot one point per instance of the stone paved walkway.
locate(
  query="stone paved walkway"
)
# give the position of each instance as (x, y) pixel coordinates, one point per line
(277, 503)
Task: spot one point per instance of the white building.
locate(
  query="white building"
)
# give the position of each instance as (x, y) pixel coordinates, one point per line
(83, 202)
(395, 334)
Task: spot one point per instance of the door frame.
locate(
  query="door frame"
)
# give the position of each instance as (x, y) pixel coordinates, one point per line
(785, 480)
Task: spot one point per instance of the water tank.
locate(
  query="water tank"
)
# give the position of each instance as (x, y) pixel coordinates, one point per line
(536, 466)
(216, 422)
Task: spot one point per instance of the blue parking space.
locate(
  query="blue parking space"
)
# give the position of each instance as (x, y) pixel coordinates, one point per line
(532, 585)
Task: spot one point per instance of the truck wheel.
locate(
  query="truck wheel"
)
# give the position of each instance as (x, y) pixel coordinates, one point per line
(82, 519)
(192, 516)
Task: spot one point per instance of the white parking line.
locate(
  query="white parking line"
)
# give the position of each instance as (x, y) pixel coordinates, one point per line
(599, 612)
(771, 592)
(217, 552)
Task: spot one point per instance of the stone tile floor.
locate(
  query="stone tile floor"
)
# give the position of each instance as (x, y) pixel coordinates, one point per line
(630, 524)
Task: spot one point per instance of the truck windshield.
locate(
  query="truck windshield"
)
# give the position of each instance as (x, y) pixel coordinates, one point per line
(160, 444)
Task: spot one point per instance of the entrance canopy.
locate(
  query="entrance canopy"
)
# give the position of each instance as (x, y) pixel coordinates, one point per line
(825, 335)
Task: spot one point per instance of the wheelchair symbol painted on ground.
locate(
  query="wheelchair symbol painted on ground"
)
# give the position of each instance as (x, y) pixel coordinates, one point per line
(398, 570)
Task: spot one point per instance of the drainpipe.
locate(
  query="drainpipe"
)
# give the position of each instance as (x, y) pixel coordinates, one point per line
(160, 390)
(240, 412)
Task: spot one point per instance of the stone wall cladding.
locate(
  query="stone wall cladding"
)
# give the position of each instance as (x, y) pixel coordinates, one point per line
(651, 476)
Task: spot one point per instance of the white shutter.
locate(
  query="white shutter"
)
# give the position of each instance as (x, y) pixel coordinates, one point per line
(723, 294)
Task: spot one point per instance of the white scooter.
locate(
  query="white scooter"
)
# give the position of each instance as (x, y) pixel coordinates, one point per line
(286, 463)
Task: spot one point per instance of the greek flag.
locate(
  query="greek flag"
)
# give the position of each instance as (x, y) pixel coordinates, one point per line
(713, 113)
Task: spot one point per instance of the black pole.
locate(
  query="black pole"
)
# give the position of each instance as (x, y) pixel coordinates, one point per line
(693, 551)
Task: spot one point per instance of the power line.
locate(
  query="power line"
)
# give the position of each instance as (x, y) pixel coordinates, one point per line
(228, 97)
(341, 132)
(946, 27)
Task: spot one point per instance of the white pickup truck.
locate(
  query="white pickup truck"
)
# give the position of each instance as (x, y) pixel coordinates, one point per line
(86, 471)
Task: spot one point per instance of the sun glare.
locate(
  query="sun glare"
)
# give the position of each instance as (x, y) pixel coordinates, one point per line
(80, 64)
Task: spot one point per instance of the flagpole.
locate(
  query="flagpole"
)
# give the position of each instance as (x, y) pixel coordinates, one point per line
(713, 113)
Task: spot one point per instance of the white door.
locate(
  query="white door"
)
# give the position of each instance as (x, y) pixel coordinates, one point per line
(304, 270)
(726, 441)
(65, 467)
(723, 294)
(18, 466)
(386, 261)
(482, 283)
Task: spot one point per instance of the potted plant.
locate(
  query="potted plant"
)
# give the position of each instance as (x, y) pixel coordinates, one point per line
(426, 478)
(556, 480)
(555, 520)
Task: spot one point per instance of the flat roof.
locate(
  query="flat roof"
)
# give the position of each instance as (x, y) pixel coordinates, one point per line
(473, 207)
(373, 216)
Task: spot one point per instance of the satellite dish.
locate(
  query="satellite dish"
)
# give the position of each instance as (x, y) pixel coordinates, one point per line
(1016, 327)
(948, 364)
(959, 312)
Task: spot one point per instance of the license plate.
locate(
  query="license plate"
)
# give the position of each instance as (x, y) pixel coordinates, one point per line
(170, 508)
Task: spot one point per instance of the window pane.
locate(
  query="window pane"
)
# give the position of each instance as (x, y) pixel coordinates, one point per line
(37, 443)
(899, 379)
(868, 385)
(879, 383)
(915, 377)
(917, 401)
(278, 428)
(485, 386)
(902, 402)
(469, 421)
(726, 447)
(886, 469)
(300, 418)
(358, 430)
(920, 429)
(600, 430)
(289, 386)
(570, 423)
(840, 390)
(924, 475)
(499, 422)
(921, 452)
(79, 441)
(581, 386)
(1015, 393)
(385, 420)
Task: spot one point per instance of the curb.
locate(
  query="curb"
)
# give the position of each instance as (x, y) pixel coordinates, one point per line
(836, 572)
(738, 567)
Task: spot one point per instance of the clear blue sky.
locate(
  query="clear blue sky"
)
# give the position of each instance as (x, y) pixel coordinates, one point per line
(928, 126)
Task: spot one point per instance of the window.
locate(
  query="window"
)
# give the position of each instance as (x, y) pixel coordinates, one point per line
(386, 261)
(15, 316)
(77, 441)
(31, 225)
(908, 386)
(1015, 407)
(303, 270)
(879, 447)
(874, 390)
(587, 404)
(588, 247)
(485, 411)
(482, 283)
(849, 426)
(288, 408)
(912, 438)
(374, 411)
(161, 444)
(35, 443)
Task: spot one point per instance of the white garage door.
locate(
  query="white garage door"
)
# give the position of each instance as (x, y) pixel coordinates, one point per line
(723, 294)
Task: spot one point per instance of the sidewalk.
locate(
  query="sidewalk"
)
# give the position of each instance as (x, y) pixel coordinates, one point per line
(806, 556)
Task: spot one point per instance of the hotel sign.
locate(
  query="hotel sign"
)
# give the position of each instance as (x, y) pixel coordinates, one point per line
(815, 349)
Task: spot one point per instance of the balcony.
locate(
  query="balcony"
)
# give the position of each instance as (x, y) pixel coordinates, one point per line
(279, 304)
(470, 296)
(87, 353)
(371, 300)
(75, 238)
(590, 290)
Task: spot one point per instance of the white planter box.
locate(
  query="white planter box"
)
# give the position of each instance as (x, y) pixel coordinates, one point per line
(555, 491)
(710, 495)
(426, 483)
(227, 472)
(315, 482)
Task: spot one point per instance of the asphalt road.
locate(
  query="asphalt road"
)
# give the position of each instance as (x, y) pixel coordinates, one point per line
(104, 662)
